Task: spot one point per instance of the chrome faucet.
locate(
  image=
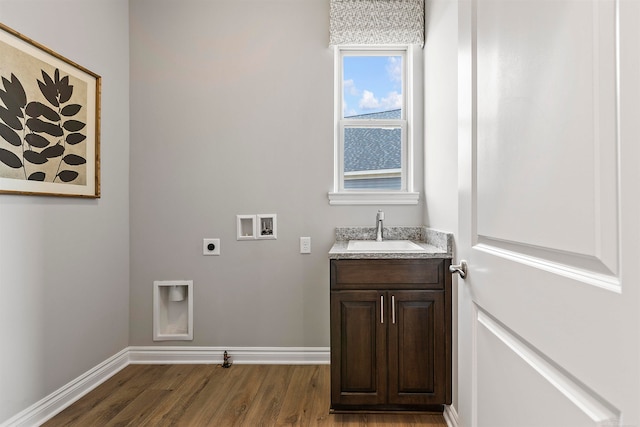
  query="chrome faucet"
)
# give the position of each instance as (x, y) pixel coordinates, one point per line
(379, 226)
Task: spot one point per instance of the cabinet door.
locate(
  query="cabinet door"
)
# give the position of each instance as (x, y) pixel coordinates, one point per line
(417, 348)
(358, 348)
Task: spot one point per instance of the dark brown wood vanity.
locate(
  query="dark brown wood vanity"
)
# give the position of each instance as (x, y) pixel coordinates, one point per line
(390, 334)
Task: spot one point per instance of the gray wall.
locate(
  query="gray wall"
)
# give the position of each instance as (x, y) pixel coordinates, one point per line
(64, 263)
(441, 114)
(231, 113)
(441, 131)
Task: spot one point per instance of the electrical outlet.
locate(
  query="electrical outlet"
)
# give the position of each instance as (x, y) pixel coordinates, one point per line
(210, 246)
(305, 245)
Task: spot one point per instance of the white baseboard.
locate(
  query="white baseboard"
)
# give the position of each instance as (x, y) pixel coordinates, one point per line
(240, 355)
(451, 416)
(56, 402)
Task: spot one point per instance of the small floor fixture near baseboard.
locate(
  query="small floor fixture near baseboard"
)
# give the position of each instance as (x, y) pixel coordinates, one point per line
(173, 310)
(226, 360)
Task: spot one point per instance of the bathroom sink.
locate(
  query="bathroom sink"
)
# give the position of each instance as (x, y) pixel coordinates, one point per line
(384, 246)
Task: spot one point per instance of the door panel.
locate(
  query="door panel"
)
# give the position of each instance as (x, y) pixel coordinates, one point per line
(548, 104)
(546, 130)
(513, 369)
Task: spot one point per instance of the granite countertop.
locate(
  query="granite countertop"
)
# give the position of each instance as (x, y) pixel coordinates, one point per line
(436, 244)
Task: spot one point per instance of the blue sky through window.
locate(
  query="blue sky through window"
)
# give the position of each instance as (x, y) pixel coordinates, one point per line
(371, 84)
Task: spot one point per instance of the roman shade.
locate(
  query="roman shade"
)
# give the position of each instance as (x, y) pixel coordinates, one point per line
(380, 22)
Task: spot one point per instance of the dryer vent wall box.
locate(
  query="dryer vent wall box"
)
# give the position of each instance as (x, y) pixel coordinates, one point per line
(173, 310)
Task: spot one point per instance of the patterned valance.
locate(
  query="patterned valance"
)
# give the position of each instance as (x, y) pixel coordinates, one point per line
(383, 22)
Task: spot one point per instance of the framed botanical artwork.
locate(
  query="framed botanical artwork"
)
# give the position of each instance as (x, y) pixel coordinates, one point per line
(49, 121)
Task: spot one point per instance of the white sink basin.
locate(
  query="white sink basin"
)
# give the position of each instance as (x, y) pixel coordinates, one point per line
(384, 246)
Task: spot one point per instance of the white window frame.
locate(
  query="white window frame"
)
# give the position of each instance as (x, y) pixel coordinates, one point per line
(406, 195)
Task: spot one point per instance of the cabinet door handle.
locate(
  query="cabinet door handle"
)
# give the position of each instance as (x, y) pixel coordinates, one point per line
(393, 309)
(381, 308)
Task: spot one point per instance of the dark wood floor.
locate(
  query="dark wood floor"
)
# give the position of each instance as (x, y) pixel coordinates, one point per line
(209, 395)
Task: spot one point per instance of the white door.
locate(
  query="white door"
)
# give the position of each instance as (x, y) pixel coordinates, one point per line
(549, 160)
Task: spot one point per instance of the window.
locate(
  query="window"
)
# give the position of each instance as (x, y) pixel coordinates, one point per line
(373, 133)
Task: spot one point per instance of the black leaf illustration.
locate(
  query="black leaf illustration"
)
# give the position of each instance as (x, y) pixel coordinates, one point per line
(37, 176)
(15, 91)
(11, 104)
(55, 151)
(36, 140)
(10, 159)
(34, 157)
(10, 135)
(47, 79)
(36, 109)
(73, 125)
(67, 176)
(73, 160)
(48, 89)
(38, 125)
(75, 138)
(71, 110)
(10, 119)
(65, 89)
(43, 127)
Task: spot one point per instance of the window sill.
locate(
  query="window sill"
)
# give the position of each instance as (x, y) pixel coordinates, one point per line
(373, 198)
